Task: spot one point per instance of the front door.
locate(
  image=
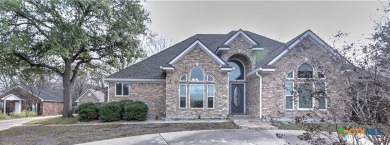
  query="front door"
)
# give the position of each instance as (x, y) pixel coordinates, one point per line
(237, 99)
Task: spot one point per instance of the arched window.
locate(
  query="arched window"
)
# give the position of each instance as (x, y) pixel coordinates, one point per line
(238, 71)
(305, 70)
(196, 74)
(210, 78)
(183, 78)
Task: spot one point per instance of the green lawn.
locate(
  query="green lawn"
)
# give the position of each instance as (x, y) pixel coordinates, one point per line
(55, 120)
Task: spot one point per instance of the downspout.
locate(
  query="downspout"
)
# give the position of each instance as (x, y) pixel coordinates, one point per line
(261, 94)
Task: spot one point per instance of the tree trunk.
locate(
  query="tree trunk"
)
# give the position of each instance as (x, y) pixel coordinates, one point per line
(68, 111)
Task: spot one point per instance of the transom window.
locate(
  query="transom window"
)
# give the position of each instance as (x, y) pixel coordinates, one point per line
(290, 75)
(238, 71)
(122, 89)
(210, 78)
(183, 78)
(305, 70)
(196, 75)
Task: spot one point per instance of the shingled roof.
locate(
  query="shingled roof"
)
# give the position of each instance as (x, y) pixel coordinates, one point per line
(149, 68)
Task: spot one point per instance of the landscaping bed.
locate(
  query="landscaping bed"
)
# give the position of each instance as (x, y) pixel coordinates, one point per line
(64, 135)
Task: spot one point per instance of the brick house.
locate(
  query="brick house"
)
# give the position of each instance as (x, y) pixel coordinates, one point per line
(44, 103)
(91, 95)
(217, 75)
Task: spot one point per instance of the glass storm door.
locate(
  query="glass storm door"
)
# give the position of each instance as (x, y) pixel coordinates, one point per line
(237, 98)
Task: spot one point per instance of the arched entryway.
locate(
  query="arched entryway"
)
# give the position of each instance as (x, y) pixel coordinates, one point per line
(237, 83)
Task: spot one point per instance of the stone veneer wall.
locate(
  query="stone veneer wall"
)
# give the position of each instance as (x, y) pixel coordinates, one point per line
(210, 67)
(153, 94)
(52, 108)
(253, 95)
(273, 82)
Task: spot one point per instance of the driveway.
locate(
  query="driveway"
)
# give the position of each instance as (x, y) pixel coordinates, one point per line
(212, 137)
(6, 124)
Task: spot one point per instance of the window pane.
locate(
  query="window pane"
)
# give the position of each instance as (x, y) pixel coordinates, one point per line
(289, 88)
(183, 89)
(196, 96)
(321, 75)
(322, 102)
(290, 75)
(210, 102)
(305, 71)
(118, 88)
(210, 90)
(289, 102)
(305, 96)
(210, 78)
(125, 89)
(196, 74)
(182, 102)
(183, 78)
(238, 71)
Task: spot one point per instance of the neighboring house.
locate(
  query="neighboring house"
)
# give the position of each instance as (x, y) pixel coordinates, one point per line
(17, 99)
(91, 95)
(217, 75)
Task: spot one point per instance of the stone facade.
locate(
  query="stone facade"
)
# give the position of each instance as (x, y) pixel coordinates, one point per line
(153, 94)
(273, 99)
(51, 108)
(197, 58)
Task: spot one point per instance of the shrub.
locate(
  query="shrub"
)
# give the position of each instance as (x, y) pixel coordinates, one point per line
(3, 116)
(135, 111)
(24, 113)
(110, 112)
(89, 111)
(122, 104)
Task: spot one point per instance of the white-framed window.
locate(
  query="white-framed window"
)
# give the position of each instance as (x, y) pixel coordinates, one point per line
(183, 95)
(322, 102)
(305, 70)
(305, 96)
(122, 89)
(290, 75)
(210, 78)
(196, 75)
(183, 78)
(210, 95)
(196, 92)
(321, 75)
(289, 94)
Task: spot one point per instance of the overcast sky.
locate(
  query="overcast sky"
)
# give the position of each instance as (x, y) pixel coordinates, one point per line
(282, 20)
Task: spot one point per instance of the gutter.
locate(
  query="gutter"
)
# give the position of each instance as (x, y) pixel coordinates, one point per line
(261, 94)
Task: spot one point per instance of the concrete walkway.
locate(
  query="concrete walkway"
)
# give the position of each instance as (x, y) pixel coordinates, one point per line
(212, 137)
(6, 124)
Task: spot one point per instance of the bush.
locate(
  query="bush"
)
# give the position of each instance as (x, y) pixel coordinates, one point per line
(23, 113)
(122, 104)
(89, 111)
(135, 111)
(110, 112)
(3, 116)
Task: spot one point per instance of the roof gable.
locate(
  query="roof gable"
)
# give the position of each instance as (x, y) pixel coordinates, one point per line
(295, 41)
(203, 47)
(97, 94)
(245, 36)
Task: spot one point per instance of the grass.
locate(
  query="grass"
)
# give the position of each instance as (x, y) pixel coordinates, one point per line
(23, 113)
(54, 120)
(3, 116)
(307, 126)
(75, 134)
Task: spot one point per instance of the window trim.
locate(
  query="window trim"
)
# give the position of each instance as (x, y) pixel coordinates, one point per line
(186, 103)
(285, 97)
(207, 96)
(313, 100)
(189, 96)
(326, 100)
(189, 79)
(128, 87)
(312, 73)
(293, 75)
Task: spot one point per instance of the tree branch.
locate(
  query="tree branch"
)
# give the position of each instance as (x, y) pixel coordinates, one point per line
(37, 65)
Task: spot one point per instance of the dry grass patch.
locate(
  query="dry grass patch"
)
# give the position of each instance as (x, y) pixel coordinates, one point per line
(55, 120)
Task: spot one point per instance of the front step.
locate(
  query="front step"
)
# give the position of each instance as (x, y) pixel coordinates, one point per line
(251, 123)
